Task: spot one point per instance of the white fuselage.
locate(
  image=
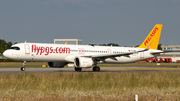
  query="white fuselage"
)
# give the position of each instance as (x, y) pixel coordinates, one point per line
(67, 53)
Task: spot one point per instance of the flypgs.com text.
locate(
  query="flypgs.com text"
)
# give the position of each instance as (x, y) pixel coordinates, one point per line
(148, 39)
(47, 50)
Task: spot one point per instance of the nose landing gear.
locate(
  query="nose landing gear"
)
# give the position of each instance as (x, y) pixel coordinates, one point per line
(23, 68)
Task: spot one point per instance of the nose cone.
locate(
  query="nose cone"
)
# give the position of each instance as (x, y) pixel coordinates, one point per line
(5, 53)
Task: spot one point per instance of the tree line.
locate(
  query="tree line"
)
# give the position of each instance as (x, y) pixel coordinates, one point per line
(5, 45)
(109, 44)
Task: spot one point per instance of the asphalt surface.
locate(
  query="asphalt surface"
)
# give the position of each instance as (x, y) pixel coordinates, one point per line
(103, 69)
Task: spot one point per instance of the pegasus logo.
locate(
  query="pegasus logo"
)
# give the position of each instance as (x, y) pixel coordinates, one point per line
(148, 39)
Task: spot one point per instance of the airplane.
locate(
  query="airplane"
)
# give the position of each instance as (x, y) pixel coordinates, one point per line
(85, 56)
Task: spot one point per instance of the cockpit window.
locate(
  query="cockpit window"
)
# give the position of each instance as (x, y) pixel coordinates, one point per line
(15, 48)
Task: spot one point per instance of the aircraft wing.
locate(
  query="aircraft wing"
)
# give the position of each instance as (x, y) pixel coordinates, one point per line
(104, 56)
(165, 51)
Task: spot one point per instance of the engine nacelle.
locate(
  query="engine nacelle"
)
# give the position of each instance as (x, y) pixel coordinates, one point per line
(56, 64)
(81, 62)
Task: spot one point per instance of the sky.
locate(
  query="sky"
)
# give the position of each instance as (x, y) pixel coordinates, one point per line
(125, 22)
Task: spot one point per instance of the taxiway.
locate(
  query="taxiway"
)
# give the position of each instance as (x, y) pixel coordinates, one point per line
(103, 69)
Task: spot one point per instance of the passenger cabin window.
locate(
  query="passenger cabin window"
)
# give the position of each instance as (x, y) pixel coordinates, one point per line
(15, 48)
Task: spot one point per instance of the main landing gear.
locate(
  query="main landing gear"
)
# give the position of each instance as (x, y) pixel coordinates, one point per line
(77, 69)
(23, 68)
(95, 69)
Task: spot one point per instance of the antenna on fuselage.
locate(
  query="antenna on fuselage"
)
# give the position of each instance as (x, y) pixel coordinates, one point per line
(25, 42)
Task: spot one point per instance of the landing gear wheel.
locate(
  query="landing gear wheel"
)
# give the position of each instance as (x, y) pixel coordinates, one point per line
(96, 69)
(77, 69)
(23, 69)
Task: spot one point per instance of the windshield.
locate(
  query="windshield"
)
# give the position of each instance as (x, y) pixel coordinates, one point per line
(15, 48)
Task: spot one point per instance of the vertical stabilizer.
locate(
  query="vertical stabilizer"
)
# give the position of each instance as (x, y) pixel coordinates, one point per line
(152, 40)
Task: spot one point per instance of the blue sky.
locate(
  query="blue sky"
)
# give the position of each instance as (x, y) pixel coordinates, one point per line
(125, 22)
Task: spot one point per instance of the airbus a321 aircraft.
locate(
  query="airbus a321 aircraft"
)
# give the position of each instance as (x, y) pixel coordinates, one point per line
(85, 56)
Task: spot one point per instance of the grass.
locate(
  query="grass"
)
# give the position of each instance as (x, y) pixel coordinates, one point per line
(143, 69)
(19, 64)
(147, 64)
(150, 86)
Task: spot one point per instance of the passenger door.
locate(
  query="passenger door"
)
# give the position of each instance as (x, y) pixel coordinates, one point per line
(141, 54)
(27, 48)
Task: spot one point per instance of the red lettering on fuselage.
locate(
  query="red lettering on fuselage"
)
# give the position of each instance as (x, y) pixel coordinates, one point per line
(148, 39)
(46, 50)
(38, 50)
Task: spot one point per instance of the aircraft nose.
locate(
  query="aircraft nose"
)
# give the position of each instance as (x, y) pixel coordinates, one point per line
(5, 53)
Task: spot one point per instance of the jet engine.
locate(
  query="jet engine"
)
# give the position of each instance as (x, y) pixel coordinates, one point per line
(81, 62)
(56, 64)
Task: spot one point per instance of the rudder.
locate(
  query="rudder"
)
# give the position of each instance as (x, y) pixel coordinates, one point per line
(152, 40)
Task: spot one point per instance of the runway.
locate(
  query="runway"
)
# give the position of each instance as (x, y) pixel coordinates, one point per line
(103, 69)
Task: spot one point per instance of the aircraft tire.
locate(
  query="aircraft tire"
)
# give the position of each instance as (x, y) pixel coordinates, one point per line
(77, 69)
(23, 69)
(96, 69)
